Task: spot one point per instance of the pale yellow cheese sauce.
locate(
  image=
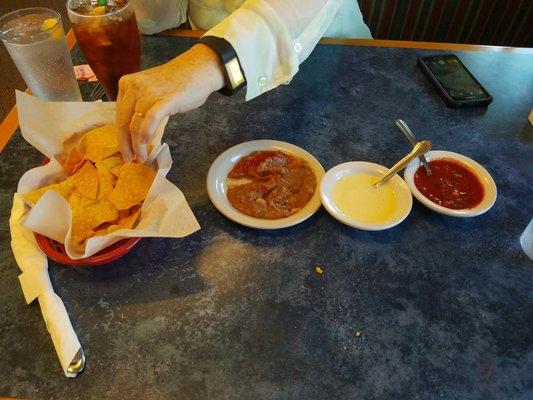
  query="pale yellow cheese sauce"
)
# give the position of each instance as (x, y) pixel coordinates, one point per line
(355, 197)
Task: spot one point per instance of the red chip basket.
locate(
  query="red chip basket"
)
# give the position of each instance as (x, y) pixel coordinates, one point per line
(56, 251)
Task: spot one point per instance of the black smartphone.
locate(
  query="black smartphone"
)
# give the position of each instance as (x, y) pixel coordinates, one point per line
(454, 82)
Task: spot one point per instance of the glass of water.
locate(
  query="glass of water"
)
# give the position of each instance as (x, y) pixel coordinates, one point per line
(35, 40)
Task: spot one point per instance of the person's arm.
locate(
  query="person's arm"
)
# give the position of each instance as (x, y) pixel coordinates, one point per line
(271, 38)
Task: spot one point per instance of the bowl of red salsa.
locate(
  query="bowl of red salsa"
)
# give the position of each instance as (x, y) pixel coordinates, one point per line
(457, 186)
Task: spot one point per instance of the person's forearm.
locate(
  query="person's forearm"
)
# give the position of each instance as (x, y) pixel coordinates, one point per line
(206, 62)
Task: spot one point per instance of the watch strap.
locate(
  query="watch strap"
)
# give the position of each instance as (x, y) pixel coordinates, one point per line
(233, 73)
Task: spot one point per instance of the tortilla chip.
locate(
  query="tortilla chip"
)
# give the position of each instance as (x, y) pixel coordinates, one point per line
(100, 143)
(124, 213)
(81, 229)
(134, 182)
(116, 170)
(101, 211)
(127, 222)
(105, 186)
(86, 218)
(97, 213)
(74, 161)
(86, 180)
(102, 230)
(103, 170)
(113, 228)
(77, 200)
(64, 188)
(78, 166)
(112, 162)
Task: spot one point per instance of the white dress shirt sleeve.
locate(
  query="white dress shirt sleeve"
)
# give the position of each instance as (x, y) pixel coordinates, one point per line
(272, 37)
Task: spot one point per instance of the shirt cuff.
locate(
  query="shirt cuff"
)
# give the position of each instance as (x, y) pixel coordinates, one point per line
(263, 46)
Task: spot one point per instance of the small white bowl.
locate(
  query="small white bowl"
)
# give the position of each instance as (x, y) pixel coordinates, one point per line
(489, 187)
(217, 186)
(405, 199)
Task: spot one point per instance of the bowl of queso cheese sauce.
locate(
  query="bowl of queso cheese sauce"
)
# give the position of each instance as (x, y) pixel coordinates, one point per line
(348, 194)
(457, 186)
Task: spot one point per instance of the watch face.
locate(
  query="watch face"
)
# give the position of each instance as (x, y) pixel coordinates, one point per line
(235, 75)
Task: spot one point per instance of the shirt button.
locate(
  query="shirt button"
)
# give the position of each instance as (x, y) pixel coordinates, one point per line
(297, 47)
(261, 81)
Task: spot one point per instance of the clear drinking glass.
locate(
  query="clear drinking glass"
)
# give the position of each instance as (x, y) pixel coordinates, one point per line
(35, 39)
(109, 39)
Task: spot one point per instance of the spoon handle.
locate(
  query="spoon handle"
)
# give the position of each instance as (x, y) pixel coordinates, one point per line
(400, 123)
(420, 149)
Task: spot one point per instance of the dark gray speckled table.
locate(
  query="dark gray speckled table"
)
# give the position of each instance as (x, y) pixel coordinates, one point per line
(436, 308)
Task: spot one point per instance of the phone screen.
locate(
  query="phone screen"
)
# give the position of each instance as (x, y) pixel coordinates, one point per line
(455, 78)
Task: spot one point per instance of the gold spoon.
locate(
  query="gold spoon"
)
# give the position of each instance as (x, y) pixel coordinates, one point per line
(419, 149)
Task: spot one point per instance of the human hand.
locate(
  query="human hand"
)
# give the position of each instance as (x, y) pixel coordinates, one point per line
(148, 96)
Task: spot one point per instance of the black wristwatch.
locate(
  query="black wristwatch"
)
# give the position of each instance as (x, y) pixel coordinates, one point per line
(233, 74)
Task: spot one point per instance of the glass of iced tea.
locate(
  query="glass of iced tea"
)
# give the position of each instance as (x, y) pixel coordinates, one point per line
(108, 37)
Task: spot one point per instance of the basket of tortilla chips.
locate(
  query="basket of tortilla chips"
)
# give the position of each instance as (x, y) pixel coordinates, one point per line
(86, 205)
(104, 194)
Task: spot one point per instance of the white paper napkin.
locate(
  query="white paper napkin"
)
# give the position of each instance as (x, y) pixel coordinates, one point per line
(35, 283)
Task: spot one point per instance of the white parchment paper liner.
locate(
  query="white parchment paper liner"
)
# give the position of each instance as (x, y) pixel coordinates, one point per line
(46, 125)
